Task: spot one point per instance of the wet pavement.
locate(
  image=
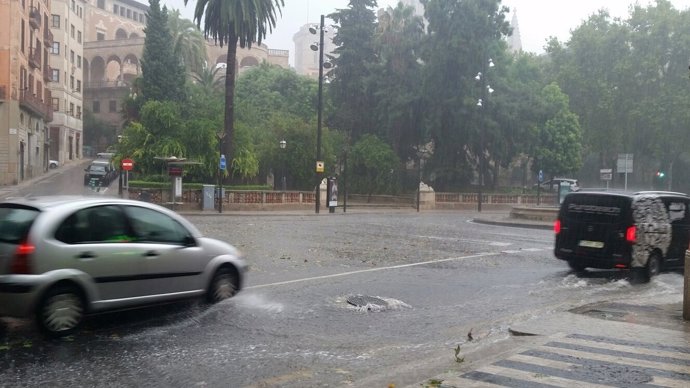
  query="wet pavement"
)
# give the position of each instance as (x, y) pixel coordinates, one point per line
(618, 343)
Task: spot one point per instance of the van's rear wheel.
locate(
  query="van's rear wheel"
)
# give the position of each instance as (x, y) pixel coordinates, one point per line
(652, 268)
(575, 266)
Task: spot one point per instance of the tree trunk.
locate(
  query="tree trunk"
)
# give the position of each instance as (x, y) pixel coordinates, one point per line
(229, 140)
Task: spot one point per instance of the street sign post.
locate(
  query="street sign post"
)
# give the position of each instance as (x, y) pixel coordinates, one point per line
(127, 165)
(625, 165)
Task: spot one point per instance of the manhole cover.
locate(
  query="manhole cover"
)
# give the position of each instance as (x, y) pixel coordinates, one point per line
(368, 302)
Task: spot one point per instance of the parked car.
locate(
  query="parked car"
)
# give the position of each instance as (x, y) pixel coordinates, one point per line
(646, 232)
(53, 163)
(64, 257)
(553, 184)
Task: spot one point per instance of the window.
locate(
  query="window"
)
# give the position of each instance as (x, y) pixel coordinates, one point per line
(71, 109)
(122, 11)
(71, 82)
(78, 111)
(100, 4)
(79, 36)
(21, 34)
(71, 56)
(129, 13)
(93, 225)
(74, 6)
(71, 30)
(56, 104)
(56, 21)
(79, 61)
(100, 36)
(135, 15)
(116, 9)
(78, 88)
(141, 18)
(55, 49)
(151, 226)
(96, 107)
(112, 106)
(55, 77)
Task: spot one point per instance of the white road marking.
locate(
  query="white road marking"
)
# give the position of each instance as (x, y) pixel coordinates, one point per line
(478, 255)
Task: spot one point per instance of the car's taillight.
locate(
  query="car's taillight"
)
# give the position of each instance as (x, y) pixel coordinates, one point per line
(557, 226)
(21, 263)
(631, 234)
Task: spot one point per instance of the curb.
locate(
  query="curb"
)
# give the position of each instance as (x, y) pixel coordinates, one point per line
(513, 223)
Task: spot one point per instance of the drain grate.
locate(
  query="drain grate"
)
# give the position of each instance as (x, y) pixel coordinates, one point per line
(368, 302)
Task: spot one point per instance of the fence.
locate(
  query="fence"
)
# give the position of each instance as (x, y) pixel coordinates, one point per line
(191, 199)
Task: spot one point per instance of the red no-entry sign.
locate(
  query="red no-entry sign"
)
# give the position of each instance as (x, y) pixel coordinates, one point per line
(127, 164)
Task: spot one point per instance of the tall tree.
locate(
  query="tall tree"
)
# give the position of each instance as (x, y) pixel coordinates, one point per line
(188, 42)
(233, 22)
(351, 81)
(397, 80)
(162, 72)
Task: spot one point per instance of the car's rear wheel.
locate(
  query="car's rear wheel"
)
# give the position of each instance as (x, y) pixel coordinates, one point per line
(61, 311)
(223, 285)
(652, 268)
(575, 266)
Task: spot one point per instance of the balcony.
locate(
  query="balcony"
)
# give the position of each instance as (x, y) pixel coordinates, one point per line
(35, 18)
(47, 74)
(47, 37)
(28, 100)
(35, 58)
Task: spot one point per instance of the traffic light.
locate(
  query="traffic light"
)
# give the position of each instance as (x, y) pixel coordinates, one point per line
(660, 174)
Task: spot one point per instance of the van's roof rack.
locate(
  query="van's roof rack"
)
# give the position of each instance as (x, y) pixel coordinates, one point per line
(661, 192)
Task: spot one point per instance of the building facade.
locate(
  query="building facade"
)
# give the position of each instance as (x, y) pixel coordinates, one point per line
(25, 99)
(67, 84)
(306, 58)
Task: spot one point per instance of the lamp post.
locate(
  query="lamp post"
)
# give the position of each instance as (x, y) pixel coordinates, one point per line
(486, 90)
(319, 162)
(283, 144)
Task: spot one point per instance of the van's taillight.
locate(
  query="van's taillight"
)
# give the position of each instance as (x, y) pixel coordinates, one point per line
(631, 234)
(557, 226)
(21, 263)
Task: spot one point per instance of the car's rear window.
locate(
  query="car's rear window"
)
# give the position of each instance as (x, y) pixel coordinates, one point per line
(595, 207)
(97, 168)
(15, 222)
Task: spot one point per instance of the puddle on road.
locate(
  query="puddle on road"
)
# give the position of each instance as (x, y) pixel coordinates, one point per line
(366, 303)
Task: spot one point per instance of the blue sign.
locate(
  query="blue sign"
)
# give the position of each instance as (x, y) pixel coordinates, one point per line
(223, 165)
(541, 176)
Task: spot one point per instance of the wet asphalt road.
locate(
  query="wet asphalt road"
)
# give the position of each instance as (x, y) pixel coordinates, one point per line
(442, 276)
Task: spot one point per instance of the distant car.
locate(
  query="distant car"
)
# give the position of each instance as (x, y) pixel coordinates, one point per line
(64, 257)
(102, 170)
(552, 184)
(53, 163)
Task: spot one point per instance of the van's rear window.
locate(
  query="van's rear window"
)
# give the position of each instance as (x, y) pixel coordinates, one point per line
(15, 223)
(595, 208)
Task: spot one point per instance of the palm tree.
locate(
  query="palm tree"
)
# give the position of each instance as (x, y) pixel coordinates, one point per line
(208, 79)
(231, 22)
(188, 42)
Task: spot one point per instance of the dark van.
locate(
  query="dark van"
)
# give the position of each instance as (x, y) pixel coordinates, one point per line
(644, 231)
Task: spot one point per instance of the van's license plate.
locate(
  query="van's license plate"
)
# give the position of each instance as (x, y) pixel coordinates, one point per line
(591, 244)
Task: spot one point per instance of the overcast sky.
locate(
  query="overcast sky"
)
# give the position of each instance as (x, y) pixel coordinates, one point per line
(538, 20)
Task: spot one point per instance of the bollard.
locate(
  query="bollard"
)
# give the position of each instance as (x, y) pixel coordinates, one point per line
(686, 294)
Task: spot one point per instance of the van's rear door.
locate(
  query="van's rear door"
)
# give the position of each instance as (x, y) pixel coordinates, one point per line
(593, 229)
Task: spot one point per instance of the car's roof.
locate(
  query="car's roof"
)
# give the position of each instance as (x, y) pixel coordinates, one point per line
(627, 193)
(53, 201)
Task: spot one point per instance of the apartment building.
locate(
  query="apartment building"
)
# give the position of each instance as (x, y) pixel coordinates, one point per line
(25, 110)
(67, 86)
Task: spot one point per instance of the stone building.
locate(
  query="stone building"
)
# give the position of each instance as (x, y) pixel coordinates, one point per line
(67, 87)
(25, 98)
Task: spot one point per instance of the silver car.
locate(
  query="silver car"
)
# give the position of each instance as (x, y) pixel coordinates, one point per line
(64, 257)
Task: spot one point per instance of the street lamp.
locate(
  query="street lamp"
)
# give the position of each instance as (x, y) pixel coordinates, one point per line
(322, 65)
(283, 144)
(486, 91)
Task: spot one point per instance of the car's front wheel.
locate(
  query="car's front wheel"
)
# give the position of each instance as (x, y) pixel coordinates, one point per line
(223, 285)
(60, 311)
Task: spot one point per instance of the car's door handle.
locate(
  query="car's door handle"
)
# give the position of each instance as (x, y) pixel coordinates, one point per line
(86, 255)
(151, 254)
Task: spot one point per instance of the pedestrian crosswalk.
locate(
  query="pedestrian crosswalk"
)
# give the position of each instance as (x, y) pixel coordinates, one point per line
(591, 361)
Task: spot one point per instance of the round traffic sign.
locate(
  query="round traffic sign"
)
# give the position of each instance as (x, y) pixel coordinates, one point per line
(127, 164)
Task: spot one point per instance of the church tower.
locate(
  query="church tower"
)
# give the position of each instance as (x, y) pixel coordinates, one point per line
(514, 41)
